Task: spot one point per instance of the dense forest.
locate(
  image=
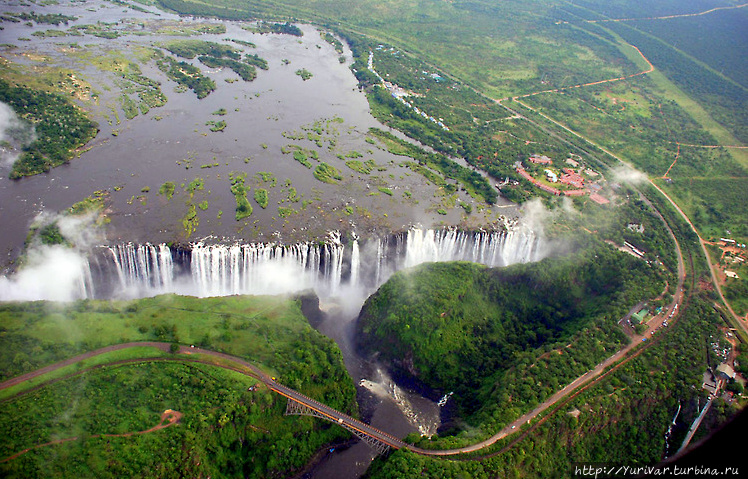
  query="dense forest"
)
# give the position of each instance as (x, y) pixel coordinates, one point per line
(59, 126)
(623, 419)
(230, 425)
(462, 327)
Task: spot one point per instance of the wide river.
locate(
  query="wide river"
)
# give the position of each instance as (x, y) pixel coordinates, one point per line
(130, 159)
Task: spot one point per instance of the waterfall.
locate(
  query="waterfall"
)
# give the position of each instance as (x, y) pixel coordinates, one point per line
(489, 248)
(219, 270)
(143, 266)
(355, 263)
(52, 273)
(327, 266)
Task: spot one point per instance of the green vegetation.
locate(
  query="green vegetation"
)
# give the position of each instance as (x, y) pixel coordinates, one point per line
(725, 99)
(445, 57)
(43, 18)
(230, 425)
(91, 204)
(293, 195)
(365, 167)
(327, 174)
(241, 42)
(195, 48)
(473, 330)
(299, 156)
(195, 185)
(187, 75)
(736, 292)
(212, 29)
(49, 34)
(330, 38)
(129, 107)
(261, 197)
(304, 74)
(59, 126)
(187, 7)
(285, 212)
(499, 48)
(282, 28)
(267, 177)
(101, 30)
(46, 234)
(254, 59)
(243, 208)
(190, 221)
(302, 155)
(245, 72)
(715, 205)
(475, 184)
(167, 190)
(622, 419)
(630, 120)
(216, 125)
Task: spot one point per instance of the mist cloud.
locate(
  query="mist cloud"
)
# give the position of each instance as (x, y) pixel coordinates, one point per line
(627, 175)
(535, 216)
(14, 135)
(54, 273)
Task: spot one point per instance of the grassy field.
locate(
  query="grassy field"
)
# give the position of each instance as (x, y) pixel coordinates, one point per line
(643, 120)
(694, 109)
(255, 328)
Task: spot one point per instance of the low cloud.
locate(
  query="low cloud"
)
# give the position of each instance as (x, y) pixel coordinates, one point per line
(535, 216)
(627, 175)
(14, 135)
(54, 273)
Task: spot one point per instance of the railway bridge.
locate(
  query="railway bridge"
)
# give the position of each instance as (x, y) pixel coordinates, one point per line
(300, 405)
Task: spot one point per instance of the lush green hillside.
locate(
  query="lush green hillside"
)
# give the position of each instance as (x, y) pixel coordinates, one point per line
(622, 420)
(474, 330)
(230, 425)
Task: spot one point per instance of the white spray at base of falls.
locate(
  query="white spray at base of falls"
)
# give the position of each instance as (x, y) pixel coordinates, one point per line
(333, 268)
(424, 415)
(52, 273)
(218, 270)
